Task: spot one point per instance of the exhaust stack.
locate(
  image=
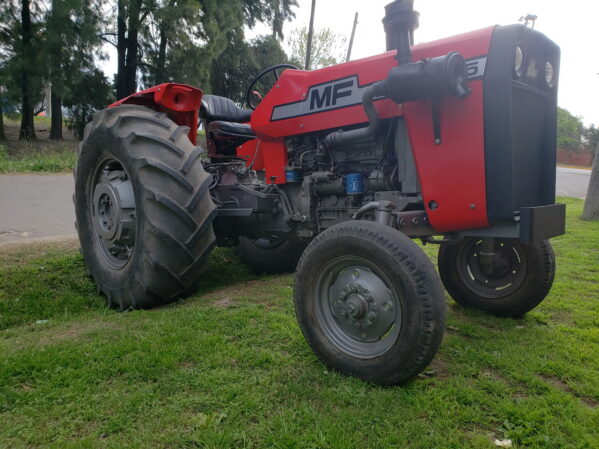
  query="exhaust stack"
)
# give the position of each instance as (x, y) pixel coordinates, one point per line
(400, 21)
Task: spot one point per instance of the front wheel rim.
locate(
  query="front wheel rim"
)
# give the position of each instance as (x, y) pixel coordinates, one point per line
(357, 308)
(112, 211)
(509, 268)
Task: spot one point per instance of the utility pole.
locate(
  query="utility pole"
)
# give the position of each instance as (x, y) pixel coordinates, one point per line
(310, 34)
(351, 39)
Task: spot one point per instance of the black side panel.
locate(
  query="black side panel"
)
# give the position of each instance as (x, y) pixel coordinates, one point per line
(541, 223)
(497, 108)
(520, 123)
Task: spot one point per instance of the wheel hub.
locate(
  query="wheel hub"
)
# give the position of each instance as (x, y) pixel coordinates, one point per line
(106, 212)
(506, 273)
(361, 304)
(113, 212)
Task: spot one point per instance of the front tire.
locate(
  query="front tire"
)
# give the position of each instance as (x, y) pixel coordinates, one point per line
(370, 302)
(143, 207)
(521, 277)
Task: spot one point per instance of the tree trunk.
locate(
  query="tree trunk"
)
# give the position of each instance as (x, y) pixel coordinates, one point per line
(2, 136)
(56, 116)
(165, 28)
(128, 23)
(56, 79)
(121, 50)
(132, 47)
(160, 65)
(591, 204)
(27, 130)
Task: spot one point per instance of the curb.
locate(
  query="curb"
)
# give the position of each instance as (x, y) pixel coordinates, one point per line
(50, 239)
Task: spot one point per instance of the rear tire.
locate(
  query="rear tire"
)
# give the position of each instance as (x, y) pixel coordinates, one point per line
(271, 256)
(143, 207)
(370, 302)
(523, 275)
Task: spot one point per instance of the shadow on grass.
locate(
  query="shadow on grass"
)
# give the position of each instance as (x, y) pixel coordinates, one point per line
(57, 285)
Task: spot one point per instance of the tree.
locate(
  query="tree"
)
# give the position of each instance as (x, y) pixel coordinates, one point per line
(28, 72)
(2, 63)
(179, 39)
(282, 11)
(234, 69)
(592, 137)
(91, 92)
(20, 51)
(55, 26)
(327, 47)
(2, 135)
(570, 131)
(6, 37)
(72, 25)
(131, 15)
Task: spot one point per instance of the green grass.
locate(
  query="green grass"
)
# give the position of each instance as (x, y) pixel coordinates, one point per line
(56, 160)
(41, 155)
(228, 368)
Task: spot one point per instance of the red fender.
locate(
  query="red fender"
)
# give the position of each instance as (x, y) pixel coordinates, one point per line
(180, 101)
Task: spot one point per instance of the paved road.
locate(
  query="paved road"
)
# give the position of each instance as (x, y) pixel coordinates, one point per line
(572, 182)
(33, 206)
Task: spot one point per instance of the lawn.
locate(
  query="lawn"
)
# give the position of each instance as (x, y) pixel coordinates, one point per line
(228, 367)
(41, 155)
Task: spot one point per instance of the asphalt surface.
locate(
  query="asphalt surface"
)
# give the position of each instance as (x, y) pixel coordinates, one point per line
(39, 206)
(572, 182)
(34, 206)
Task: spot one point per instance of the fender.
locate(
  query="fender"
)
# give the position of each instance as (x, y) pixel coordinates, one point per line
(180, 101)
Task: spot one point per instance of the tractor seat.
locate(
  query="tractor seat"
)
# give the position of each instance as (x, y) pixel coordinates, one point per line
(221, 108)
(227, 136)
(238, 131)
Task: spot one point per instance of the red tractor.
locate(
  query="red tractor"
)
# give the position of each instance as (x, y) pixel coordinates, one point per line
(333, 174)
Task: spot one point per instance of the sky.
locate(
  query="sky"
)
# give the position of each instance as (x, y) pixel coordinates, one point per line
(573, 25)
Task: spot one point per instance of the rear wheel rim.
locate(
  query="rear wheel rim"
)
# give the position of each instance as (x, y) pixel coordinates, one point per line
(112, 211)
(509, 268)
(357, 308)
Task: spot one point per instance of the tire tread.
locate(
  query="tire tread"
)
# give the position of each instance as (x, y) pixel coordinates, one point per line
(172, 258)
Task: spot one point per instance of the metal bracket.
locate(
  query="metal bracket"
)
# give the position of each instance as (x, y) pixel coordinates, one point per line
(414, 223)
(436, 122)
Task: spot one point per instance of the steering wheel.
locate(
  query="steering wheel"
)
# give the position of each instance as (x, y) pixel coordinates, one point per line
(260, 75)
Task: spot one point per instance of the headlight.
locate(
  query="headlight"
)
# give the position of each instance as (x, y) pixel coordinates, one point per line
(549, 74)
(519, 61)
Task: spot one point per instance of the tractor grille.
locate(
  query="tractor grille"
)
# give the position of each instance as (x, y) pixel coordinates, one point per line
(520, 108)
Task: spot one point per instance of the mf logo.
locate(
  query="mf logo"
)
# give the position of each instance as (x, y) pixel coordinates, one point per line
(346, 92)
(329, 95)
(340, 93)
